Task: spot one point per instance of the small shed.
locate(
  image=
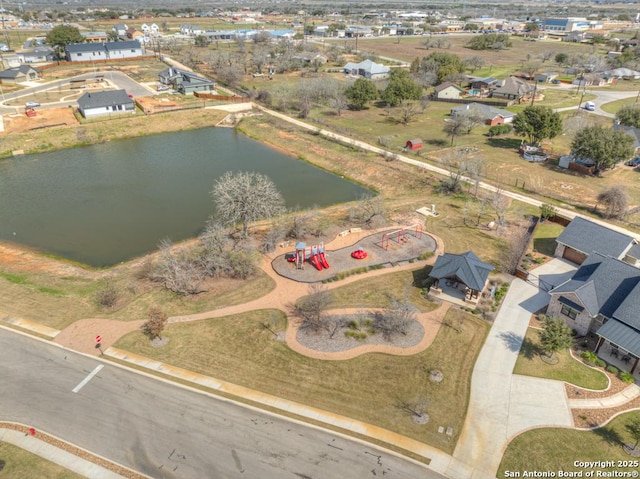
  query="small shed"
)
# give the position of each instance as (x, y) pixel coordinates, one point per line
(414, 145)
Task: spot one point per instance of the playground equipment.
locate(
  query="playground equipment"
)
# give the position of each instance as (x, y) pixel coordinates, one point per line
(401, 236)
(359, 254)
(314, 254)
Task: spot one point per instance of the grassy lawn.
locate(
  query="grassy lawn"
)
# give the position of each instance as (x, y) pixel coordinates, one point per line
(614, 106)
(555, 99)
(20, 463)
(567, 369)
(374, 292)
(544, 238)
(240, 350)
(58, 302)
(554, 449)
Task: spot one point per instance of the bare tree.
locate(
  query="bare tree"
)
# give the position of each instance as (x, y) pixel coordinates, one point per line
(155, 323)
(456, 163)
(474, 63)
(369, 211)
(178, 271)
(259, 57)
(107, 294)
(311, 309)
(455, 126)
(417, 408)
(230, 74)
(214, 242)
(475, 171)
(407, 111)
(395, 319)
(615, 200)
(300, 224)
(500, 204)
(517, 244)
(245, 197)
(530, 68)
(546, 55)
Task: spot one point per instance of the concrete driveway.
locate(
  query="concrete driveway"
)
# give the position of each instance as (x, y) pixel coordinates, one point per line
(502, 405)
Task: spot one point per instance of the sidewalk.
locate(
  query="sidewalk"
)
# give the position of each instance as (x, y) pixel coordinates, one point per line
(56, 455)
(620, 399)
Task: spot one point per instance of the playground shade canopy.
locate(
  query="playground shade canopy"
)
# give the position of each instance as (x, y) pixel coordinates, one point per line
(466, 268)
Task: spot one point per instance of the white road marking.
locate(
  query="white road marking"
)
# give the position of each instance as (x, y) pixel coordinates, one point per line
(88, 378)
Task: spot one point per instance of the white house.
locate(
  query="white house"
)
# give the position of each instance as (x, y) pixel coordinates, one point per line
(80, 52)
(108, 102)
(367, 69)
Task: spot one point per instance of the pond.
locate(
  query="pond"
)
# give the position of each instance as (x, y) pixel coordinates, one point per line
(107, 203)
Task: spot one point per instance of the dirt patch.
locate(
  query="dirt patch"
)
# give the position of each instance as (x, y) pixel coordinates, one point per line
(19, 122)
(21, 259)
(80, 336)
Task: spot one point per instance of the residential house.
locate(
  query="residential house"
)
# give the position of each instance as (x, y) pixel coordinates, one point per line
(545, 77)
(465, 269)
(120, 29)
(367, 69)
(603, 296)
(107, 102)
(191, 30)
(623, 73)
(513, 88)
(185, 81)
(37, 55)
(80, 52)
(19, 74)
(95, 37)
(632, 132)
(134, 34)
(447, 90)
(490, 115)
(590, 79)
(482, 84)
(582, 237)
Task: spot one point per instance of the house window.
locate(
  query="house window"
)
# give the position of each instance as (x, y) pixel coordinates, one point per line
(567, 311)
(79, 54)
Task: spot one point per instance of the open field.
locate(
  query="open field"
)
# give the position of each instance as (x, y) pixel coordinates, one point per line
(20, 463)
(568, 369)
(555, 449)
(238, 349)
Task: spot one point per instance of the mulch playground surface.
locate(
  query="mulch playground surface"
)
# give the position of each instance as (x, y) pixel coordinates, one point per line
(340, 260)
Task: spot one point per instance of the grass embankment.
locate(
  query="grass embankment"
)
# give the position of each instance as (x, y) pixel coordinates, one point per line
(59, 301)
(613, 106)
(554, 449)
(567, 369)
(20, 463)
(240, 350)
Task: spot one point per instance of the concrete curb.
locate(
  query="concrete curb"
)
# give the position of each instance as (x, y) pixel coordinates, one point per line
(56, 455)
(31, 326)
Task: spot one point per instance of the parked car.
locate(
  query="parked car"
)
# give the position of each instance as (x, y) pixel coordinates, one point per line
(555, 82)
(634, 162)
(163, 88)
(31, 104)
(590, 106)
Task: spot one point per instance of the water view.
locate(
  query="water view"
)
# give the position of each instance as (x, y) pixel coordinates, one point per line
(107, 203)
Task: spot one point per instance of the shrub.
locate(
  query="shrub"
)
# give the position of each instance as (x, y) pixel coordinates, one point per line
(612, 369)
(497, 130)
(600, 363)
(107, 295)
(589, 357)
(626, 377)
(357, 335)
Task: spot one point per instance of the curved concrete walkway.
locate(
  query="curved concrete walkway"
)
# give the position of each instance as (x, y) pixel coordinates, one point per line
(623, 397)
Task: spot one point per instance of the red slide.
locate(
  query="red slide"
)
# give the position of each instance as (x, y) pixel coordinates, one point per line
(323, 260)
(315, 262)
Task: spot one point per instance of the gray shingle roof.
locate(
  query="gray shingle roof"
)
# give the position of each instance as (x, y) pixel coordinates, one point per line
(102, 99)
(624, 336)
(487, 112)
(586, 236)
(13, 73)
(467, 267)
(604, 285)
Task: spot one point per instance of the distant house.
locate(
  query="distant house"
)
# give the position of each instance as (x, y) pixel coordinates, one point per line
(545, 77)
(447, 90)
(632, 132)
(623, 73)
(466, 269)
(367, 69)
(490, 115)
(120, 29)
(583, 237)
(483, 84)
(590, 79)
(513, 88)
(37, 55)
(95, 37)
(185, 81)
(80, 52)
(191, 30)
(105, 103)
(19, 74)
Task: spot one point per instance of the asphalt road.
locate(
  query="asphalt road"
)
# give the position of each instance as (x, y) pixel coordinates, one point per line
(167, 431)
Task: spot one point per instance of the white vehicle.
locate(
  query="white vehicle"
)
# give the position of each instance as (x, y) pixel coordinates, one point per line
(590, 106)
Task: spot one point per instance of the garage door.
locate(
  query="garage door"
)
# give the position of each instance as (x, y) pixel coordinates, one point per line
(573, 255)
